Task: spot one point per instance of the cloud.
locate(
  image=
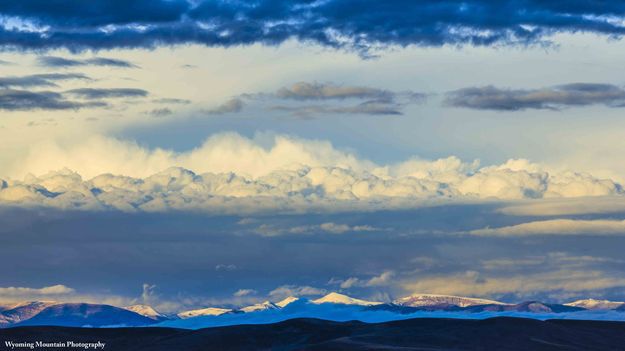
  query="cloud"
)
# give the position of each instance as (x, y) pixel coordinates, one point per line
(231, 106)
(365, 108)
(295, 290)
(329, 227)
(326, 91)
(559, 207)
(352, 24)
(551, 98)
(60, 62)
(39, 80)
(473, 283)
(244, 292)
(21, 292)
(22, 100)
(383, 279)
(171, 101)
(374, 101)
(148, 294)
(329, 98)
(160, 112)
(562, 260)
(5, 63)
(102, 93)
(225, 267)
(558, 227)
(231, 172)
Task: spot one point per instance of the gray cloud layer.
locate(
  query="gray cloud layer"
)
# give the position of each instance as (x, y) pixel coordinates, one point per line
(326, 91)
(233, 105)
(59, 62)
(39, 80)
(328, 98)
(21, 100)
(553, 98)
(102, 93)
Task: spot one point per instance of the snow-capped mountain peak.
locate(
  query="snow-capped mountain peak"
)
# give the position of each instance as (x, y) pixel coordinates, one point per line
(146, 311)
(287, 301)
(266, 305)
(344, 300)
(592, 304)
(418, 300)
(210, 311)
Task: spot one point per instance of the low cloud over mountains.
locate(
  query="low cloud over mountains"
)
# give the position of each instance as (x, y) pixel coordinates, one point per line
(231, 172)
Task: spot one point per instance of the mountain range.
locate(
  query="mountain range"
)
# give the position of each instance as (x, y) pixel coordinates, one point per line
(333, 306)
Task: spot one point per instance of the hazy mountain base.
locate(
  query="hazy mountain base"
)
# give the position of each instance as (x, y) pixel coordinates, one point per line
(500, 333)
(386, 313)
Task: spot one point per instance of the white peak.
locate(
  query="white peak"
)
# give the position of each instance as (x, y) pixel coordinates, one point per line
(343, 299)
(592, 304)
(287, 301)
(418, 300)
(260, 307)
(145, 310)
(210, 311)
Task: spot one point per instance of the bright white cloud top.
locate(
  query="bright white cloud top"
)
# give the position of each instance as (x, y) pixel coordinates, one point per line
(230, 172)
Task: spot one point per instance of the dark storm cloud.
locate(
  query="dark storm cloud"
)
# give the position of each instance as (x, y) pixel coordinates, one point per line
(551, 98)
(39, 80)
(102, 93)
(354, 24)
(21, 100)
(58, 62)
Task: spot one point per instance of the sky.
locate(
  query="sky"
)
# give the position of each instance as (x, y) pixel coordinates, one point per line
(188, 154)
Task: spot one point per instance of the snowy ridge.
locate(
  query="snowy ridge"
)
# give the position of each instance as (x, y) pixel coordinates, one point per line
(337, 298)
(592, 304)
(289, 300)
(263, 306)
(210, 311)
(146, 311)
(418, 300)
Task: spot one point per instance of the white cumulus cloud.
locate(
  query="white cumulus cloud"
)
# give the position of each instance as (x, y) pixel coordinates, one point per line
(231, 173)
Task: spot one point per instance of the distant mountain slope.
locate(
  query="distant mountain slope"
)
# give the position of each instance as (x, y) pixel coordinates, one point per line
(509, 334)
(528, 306)
(22, 311)
(84, 314)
